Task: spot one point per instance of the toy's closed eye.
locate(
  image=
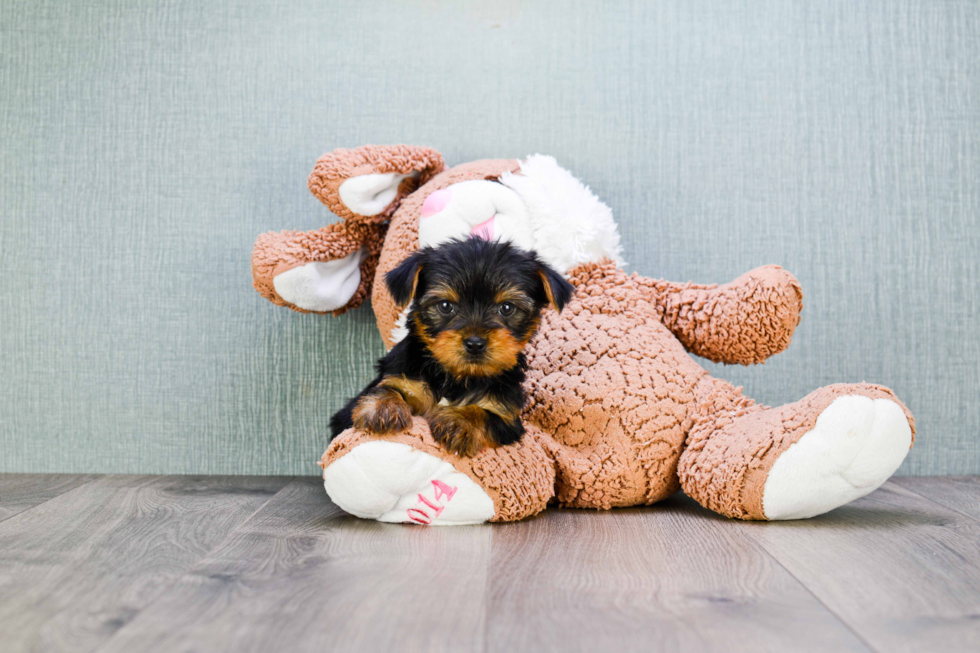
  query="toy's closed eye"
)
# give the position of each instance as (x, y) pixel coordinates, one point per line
(478, 207)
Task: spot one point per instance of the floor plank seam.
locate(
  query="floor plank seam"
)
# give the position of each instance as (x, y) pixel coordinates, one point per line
(60, 494)
(163, 596)
(102, 645)
(937, 503)
(809, 591)
(488, 601)
(292, 480)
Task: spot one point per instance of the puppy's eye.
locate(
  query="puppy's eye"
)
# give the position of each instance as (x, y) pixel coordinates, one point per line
(446, 307)
(507, 309)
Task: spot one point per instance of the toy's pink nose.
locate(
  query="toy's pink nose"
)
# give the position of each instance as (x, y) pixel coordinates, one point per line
(484, 230)
(436, 202)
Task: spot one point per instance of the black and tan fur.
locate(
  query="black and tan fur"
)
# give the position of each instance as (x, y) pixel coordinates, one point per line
(474, 306)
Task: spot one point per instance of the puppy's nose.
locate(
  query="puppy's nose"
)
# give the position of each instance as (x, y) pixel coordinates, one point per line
(475, 345)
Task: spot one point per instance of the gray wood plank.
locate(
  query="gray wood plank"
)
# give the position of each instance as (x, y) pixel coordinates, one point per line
(303, 576)
(671, 577)
(959, 493)
(78, 567)
(182, 563)
(20, 492)
(902, 571)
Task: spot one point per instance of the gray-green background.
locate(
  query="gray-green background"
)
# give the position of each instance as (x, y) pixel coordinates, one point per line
(144, 145)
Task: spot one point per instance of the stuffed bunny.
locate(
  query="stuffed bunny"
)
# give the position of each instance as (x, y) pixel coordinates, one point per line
(618, 413)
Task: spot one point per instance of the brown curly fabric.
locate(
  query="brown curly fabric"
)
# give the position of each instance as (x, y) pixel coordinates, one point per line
(614, 388)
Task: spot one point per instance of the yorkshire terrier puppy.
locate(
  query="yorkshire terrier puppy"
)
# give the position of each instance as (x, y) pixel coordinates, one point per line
(474, 305)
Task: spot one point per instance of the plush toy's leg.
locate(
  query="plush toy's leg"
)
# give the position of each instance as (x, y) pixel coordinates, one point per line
(409, 478)
(835, 445)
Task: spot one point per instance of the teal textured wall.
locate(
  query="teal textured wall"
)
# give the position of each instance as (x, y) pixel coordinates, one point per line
(146, 144)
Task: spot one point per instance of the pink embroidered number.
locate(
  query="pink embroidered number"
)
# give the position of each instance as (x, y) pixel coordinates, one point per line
(436, 507)
(443, 490)
(419, 515)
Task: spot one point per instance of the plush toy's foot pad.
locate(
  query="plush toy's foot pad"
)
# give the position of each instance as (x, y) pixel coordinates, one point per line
(394, 482)
(855, 445)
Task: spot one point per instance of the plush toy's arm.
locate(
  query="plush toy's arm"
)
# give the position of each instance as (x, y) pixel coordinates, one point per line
(371, 180)
(329, 270)
(745, 321)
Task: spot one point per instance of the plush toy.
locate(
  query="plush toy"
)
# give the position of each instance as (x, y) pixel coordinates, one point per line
(618, 412)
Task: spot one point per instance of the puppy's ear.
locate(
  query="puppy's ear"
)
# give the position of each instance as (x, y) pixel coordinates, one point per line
(556, 288)
(404, 280)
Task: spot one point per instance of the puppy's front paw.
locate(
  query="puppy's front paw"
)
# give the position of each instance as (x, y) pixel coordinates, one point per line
(382, 413)
(460, 430)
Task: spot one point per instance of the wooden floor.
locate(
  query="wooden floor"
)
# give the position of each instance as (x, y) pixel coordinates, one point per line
(175, 563)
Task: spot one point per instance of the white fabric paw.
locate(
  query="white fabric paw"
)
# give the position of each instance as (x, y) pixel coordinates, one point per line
(394, 482)
(856, 444)
(322, 285)
(370, 194)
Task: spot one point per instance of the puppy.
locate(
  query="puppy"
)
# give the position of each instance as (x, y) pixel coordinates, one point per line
(474, 305)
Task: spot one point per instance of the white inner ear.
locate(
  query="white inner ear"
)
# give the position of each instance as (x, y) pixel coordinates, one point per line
(322, 285)
(370, 194)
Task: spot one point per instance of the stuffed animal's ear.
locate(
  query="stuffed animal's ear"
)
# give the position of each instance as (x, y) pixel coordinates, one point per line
(556, 288)
(372, 180)
(403, 281)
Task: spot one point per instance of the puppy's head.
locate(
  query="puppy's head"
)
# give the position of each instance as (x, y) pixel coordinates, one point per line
(476, 303)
